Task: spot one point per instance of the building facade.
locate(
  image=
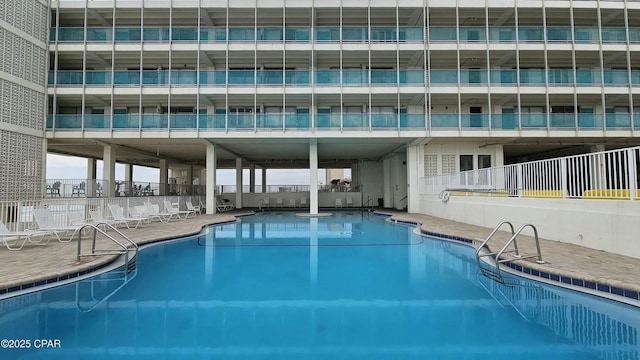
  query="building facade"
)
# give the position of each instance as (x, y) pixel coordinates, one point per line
(415, 86)
(24, 29)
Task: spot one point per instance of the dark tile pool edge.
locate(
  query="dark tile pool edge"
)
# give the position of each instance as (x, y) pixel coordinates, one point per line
(107, 261)
(548, 275)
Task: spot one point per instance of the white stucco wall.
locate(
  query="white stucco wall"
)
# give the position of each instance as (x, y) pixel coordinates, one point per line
(606, 225)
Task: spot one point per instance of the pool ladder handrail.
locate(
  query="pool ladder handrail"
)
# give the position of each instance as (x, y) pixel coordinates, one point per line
(496, 274)
(131, 245)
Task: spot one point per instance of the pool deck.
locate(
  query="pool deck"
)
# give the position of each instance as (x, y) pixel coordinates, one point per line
(40, 264)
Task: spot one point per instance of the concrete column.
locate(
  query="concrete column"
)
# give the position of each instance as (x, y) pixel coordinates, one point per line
(109, 170)
(252, 178)
(413, 187)
(238, 183)
(128, 178)
(313, 181)
(355, 176)
(264, 180)
(92, 171)
(211, 163)
(386, 181)
(164, 177)
(189, 180)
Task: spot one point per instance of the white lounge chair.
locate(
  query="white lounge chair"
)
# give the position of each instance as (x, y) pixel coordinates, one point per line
(221, 205)
(191, 207)
(6, 235)
(96, 217)
(46, 221)
(292, 203)
(265, 202)
(338, 202)
(279, 202)
(349, 201)
(117, 212)
(168, 206)
(153, 212)
(303, 202)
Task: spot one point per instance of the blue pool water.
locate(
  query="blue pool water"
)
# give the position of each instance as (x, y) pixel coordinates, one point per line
(349, 286)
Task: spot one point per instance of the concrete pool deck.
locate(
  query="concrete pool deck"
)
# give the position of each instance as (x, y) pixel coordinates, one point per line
(40, 264)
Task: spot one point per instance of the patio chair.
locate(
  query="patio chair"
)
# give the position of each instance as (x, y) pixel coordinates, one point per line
(6, 235)
(191, 207)
(292, 203)
(279, 202)
(153, 211)
(117, 213)
(338, 202)
(349, 201)
(265, 202)
(46, 221)
(221, 205)
(168, 206)
(303, 202)
(96, 217)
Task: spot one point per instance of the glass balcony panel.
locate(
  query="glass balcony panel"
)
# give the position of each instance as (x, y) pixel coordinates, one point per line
(155, 77)
(384, 121)
(533, 120)
(269, 121)
(530, 34)
(359, 121)
(355, 77)
(560, 77)
(327, 34)
(635, 77)
(504, 77)
(298, 77)
(532, 77)
(443, 77)
(126, 78)
(213, 34)
(636, 121)
(240, 121)
(559, 34)
(586, 34)
(588, 77)
(475, 121)
(70, 34)
(297, 121)
(616, 77)
(126, 121)
(412, 77)
(184, 77)
(411, 34)
(49, 123)
(51, 77)
(270, 34)
(634, 35)
(128, 34)
(328, 121)
(69, 77)
(52, 34)
(506, 34)
(270, 77)
(212, 121)
(183, 121)
(96, 122)
(184, 34)
(98, 78)
(327, 77)
(472, 34)
(241, 77)
(473, 76)
(590, 121)
(99, 34)
(618, 121)
(297, 34)
(213, 77)
(155, 34)
(241, 34)
(383, 34)
(155, 121)
(412, 121)
(504, 121)
(355, 34)
(442, 33)
(384, 77)
(444, 121)
(562, 120)
(68, 121)
(614, 35)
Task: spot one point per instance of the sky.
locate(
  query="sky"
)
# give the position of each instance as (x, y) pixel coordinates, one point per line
(69, 167)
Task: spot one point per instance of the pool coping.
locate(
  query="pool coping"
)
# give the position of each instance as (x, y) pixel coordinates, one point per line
(611, 289)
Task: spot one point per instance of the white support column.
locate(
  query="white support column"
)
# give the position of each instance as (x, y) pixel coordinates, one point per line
(211, 163)
(128, 178)
(164, 177)
(264, 180)
(92, 172)
(190, 177)
(413, 189)
(386, 181)
(252, 178)
(238, 183)
(109, 170)
(313, 181)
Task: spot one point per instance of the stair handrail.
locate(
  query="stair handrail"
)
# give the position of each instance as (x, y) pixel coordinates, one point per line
(513, 239)
(96, 229)
(495, 229)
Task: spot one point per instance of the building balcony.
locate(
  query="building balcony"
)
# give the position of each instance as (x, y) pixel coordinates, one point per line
(340, 122)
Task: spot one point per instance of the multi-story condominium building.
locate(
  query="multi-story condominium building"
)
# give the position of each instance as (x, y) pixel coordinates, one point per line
(395, 90)
(23, 63)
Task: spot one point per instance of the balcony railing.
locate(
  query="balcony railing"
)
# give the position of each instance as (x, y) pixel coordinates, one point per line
(322, 78)
(336, 121)
(347, 34)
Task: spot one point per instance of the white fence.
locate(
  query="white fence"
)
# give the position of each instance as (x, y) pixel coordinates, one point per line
(603, 175)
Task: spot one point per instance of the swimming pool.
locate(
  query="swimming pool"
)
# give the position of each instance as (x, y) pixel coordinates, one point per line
(349, 286)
